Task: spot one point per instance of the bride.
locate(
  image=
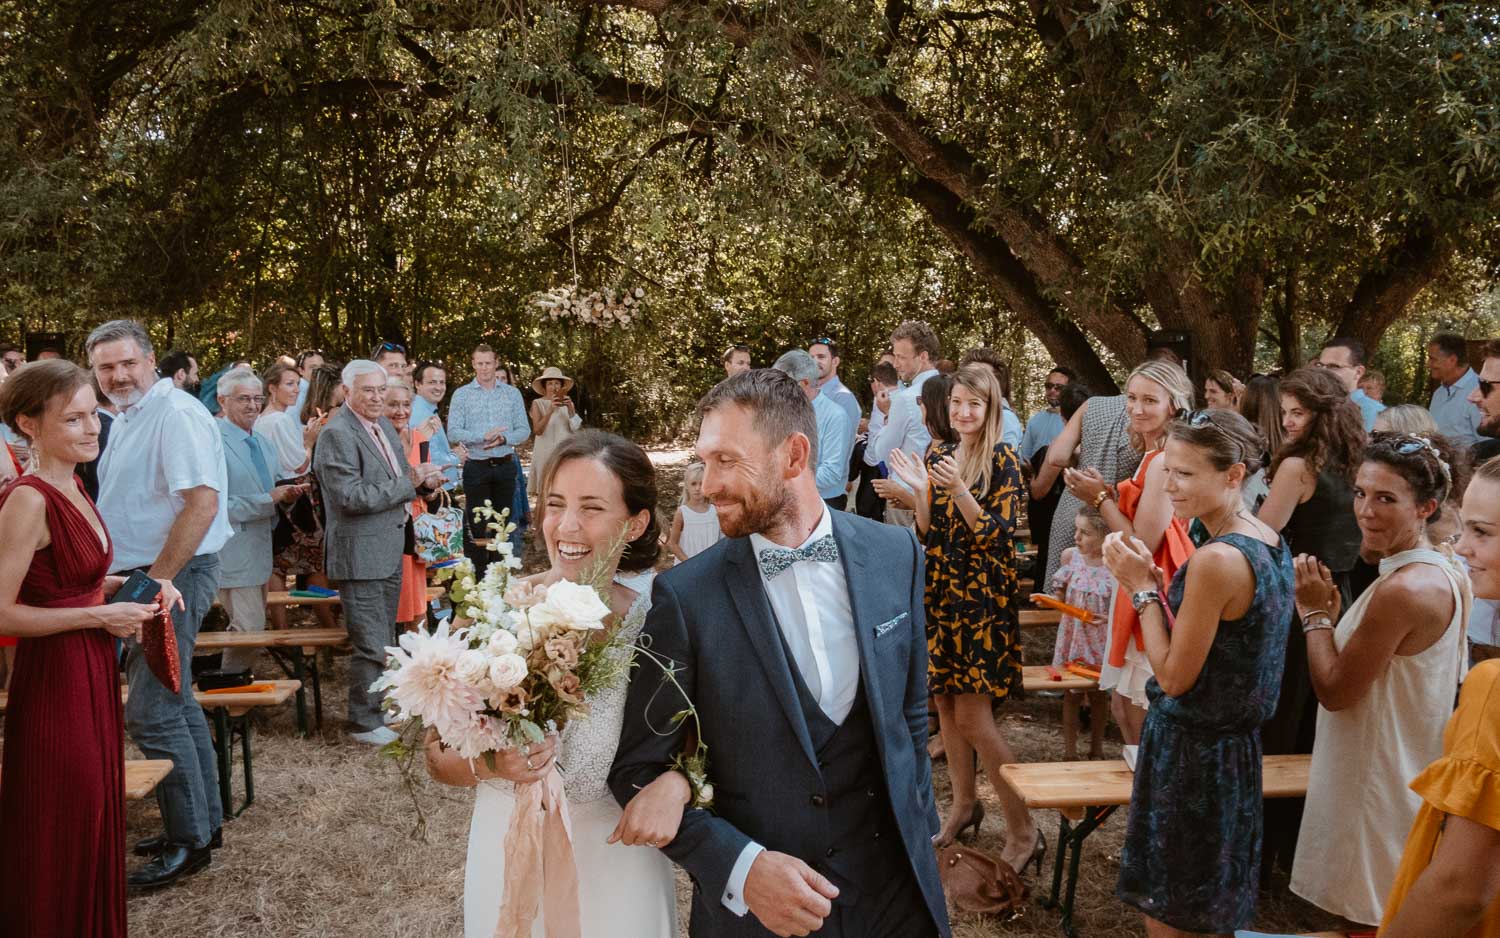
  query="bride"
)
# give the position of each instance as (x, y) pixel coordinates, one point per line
(596, 484)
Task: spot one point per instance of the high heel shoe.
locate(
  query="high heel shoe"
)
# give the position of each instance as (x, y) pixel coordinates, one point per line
(975, 819)
(1038, 853)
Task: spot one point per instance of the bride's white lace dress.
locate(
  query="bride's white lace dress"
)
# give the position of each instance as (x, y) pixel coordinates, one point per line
(623, 892)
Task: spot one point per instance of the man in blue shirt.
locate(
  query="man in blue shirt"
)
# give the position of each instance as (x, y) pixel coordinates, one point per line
(825, 352)
(431, 383)
(1047, 423)
(1345, 357)
(1457, 419)
(835, 432)
(488, 417)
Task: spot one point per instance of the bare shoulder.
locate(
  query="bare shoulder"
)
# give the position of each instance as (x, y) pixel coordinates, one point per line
(1416, 589)
(23, 516)
(1217, 565)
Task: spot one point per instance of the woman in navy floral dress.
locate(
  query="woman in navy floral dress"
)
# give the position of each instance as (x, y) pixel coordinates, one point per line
(1192, 843)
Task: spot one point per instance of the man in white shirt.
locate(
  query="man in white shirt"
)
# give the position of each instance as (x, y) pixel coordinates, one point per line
(163, 496)
(914, 347)
(1457, 418)
(802, 641)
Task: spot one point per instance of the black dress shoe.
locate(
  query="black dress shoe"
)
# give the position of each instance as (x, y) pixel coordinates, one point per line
(151, 846)
(173, 863)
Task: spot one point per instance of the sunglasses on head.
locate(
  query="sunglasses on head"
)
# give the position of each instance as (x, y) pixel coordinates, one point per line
(393, 347)
(1412, 445)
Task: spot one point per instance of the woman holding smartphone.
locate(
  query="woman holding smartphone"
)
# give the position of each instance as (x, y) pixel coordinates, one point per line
(62, 805)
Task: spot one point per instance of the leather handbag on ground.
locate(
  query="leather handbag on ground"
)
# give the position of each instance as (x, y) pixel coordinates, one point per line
(439, 532)
(977, 882)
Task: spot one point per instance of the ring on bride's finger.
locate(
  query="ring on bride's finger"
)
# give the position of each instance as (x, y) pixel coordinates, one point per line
(529, 766)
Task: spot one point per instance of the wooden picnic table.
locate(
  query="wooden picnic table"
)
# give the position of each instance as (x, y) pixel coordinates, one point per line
(1085, 794)
(230, 715)
(295, 652)
(1039, 618)
(143, 775)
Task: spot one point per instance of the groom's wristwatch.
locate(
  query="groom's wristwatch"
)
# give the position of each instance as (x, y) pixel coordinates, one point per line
(1143, 598)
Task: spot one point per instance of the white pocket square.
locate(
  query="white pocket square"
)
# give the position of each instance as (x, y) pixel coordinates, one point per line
(885, 627)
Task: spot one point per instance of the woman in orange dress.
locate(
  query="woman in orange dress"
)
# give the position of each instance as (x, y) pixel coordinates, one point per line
(411, 609)
(1449, 879)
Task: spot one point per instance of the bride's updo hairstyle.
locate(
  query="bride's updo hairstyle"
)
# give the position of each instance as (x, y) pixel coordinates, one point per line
(630, 464)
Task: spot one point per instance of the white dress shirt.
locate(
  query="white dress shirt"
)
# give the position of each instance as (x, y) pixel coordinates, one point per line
(810, 601)
(163, 445)
(903, 428)
(1456, 418)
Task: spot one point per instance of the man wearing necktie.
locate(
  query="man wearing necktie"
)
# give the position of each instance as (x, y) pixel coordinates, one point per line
(245, 560)
(800, 641)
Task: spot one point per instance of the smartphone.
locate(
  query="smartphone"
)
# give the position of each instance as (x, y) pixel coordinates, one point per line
(138, 588)
(423, 448)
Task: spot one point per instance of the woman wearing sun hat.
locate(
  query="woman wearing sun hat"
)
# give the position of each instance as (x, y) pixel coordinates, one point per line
(554, 417)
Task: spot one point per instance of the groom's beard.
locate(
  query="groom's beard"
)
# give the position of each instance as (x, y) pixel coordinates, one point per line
(757, 515)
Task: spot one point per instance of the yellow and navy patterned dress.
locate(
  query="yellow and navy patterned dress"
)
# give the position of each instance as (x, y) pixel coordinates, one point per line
(973, 635)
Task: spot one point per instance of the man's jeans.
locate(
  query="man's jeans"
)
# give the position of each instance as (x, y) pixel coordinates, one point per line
(485, 479)
(172, 726)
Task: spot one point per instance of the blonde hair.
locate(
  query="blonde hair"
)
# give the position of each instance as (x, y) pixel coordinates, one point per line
(1174, 380)
(976, 465)
(694, 469)
(1407, 418)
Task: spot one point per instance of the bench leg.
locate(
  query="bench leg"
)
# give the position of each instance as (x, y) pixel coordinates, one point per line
(317, 684)
(1070, 838)
(222, 749)
(244, 722)
(297, 675)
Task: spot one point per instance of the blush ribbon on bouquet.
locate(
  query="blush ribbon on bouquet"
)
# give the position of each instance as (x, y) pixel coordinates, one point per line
(539, 865)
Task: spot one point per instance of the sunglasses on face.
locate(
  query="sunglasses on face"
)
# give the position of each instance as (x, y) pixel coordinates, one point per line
(1056, 385)
(1485, 387)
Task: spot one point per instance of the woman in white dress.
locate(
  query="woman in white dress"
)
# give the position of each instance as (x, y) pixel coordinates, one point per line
(599, 484)
(554, 418)
(1386, 676)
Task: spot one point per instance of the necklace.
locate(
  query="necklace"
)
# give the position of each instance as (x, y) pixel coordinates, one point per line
(1236, 514)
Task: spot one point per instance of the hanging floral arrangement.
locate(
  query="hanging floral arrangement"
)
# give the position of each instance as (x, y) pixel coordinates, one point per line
(605, 308)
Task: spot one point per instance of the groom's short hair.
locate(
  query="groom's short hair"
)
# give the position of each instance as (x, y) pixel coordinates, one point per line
(774, 398)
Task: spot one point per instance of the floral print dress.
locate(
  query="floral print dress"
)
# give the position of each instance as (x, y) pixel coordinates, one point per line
(1087, 586)
(973, 634)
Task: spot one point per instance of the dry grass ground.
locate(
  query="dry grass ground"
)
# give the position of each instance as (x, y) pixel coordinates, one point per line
(328, 849)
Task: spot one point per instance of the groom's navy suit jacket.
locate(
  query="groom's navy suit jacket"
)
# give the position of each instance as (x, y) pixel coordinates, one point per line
(711, 617)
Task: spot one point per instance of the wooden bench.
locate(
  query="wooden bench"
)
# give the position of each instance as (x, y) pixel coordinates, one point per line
(295, 651)
(230, 715)
(1034, 677)
(285, 598)
(1085, 794)
(143, 775)
(1039, 618)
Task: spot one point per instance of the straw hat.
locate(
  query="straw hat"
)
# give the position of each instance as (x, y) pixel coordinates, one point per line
(540, 384)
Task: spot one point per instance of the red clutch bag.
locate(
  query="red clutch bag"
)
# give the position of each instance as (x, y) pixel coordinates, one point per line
(159, 642)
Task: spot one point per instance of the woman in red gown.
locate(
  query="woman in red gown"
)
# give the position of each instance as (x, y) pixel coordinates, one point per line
(62, 787)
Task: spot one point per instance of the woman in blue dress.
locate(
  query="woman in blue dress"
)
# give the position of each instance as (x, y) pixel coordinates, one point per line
(1192, 843)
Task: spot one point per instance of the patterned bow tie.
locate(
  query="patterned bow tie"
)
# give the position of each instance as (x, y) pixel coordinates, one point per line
(775, 561)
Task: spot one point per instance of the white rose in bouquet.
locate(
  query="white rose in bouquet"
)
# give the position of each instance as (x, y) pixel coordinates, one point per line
(507, 671)
(501, 643)
(573, 606)
(474, 669)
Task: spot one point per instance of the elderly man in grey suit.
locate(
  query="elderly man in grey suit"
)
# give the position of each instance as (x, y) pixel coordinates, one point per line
(367, 489)
(249, 460)
(801, 641)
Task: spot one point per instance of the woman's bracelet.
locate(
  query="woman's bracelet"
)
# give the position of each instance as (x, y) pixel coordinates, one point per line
(1099, 499)
(1316, 621)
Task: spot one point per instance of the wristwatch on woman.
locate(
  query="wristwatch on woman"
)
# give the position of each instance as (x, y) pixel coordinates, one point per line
(1143, 598)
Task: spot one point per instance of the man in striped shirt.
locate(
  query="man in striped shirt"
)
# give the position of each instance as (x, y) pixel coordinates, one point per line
(488, 417)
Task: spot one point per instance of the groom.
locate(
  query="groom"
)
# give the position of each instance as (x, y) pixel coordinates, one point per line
(801, 642)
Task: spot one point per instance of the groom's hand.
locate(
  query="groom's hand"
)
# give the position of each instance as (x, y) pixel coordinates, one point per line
(788, 896)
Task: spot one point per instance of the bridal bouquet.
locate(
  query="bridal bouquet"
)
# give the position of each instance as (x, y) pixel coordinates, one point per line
(519, 661)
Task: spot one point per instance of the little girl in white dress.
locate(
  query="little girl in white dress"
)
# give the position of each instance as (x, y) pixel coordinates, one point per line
(695, 526)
